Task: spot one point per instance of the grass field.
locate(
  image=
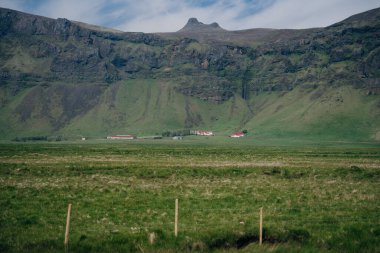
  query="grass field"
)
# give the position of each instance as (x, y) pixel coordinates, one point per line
(315, 199)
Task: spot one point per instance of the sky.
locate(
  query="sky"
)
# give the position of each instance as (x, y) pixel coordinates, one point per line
(172, 15)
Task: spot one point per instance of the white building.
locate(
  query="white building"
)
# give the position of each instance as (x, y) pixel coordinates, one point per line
(202, 132)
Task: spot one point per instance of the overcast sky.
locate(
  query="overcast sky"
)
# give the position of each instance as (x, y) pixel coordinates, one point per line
(171, 15)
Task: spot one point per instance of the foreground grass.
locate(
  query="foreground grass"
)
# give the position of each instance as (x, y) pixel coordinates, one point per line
(314, 199)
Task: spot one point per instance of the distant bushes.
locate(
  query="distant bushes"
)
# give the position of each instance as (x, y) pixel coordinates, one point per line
(31, 138)
(39, 138)
(184, 132)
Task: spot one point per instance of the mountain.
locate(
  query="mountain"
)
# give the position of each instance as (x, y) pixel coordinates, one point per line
(65, 77)
(194, 26)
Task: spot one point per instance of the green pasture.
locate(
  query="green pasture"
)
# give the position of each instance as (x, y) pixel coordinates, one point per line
(315, 198)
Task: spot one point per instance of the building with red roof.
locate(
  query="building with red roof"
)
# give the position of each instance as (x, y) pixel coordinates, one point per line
(122, 137)
(237, 135)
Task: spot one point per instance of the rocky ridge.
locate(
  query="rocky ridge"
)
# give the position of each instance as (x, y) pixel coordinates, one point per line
(193, 25)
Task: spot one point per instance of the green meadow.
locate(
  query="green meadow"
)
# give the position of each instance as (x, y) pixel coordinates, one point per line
(315, 198)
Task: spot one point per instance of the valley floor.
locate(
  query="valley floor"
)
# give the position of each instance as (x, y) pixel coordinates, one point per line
(315, 199)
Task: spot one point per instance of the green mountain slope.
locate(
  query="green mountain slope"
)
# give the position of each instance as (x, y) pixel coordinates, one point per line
(63, 77)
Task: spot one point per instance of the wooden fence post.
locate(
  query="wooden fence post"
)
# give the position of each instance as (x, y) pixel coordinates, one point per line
(176, 219)
(152, 238)
(67, 228)
(261, 226)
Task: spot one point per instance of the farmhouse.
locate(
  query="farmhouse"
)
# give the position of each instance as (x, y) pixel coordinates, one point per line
(237, 135)
(122, 137)
(202, 132)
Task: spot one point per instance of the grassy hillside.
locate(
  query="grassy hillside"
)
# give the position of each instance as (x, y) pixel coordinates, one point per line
(341, 114)
(151, 106)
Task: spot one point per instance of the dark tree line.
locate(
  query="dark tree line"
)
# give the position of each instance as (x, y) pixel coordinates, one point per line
(184, 132)
(39, 138)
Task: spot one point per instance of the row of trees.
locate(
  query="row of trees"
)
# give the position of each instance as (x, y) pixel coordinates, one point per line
(184, 132)
(39, 138)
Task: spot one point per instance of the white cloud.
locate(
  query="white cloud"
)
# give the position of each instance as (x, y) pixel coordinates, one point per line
(281, 14)
(163, 17)
(171, 15)
(306, 14)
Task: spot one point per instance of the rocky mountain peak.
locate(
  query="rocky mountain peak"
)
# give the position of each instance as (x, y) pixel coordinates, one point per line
(193, 25)
(193, 21)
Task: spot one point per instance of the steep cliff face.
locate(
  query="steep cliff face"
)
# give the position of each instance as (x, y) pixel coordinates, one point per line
(47, 63)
